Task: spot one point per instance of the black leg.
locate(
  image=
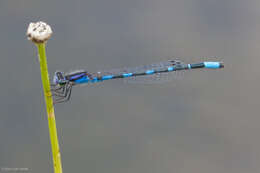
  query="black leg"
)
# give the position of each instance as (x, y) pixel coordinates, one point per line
(57, 89)
(64, 92)
(66, 96)
(62, 95)
(57, 92)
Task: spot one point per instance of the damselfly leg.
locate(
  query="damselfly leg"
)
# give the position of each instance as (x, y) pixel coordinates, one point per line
(62, 93)
(57, 90)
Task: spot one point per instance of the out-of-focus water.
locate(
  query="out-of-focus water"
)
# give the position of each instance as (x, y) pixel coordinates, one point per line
(207, 121)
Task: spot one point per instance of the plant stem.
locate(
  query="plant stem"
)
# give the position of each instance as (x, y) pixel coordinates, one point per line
(49, 108)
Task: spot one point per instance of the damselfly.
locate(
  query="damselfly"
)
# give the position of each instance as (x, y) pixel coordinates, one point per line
(63, 83)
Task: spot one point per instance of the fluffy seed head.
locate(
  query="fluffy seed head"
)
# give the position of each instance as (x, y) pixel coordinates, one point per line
(39, 32)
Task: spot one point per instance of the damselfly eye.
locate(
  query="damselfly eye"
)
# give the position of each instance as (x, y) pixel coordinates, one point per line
(58, 78)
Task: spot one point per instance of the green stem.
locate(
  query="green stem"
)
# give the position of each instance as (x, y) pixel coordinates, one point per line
(50, 109)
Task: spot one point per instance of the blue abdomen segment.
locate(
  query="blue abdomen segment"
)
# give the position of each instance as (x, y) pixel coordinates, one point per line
(213, 65)
(86, 79)
(170, 68)
(83, 79)
(149, 72)
(107, 77)
(127, 74)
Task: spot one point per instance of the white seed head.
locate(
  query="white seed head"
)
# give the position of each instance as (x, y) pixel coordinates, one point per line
(39, 32)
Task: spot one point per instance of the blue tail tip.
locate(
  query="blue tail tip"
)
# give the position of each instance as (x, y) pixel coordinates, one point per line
(214, 65)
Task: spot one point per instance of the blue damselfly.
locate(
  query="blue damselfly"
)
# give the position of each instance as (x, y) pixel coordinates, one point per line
(63, 83)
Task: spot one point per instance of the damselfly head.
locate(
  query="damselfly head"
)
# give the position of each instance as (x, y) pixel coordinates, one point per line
(59, 78)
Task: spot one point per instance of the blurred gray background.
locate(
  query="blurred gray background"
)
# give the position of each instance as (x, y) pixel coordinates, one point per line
(205, 121)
